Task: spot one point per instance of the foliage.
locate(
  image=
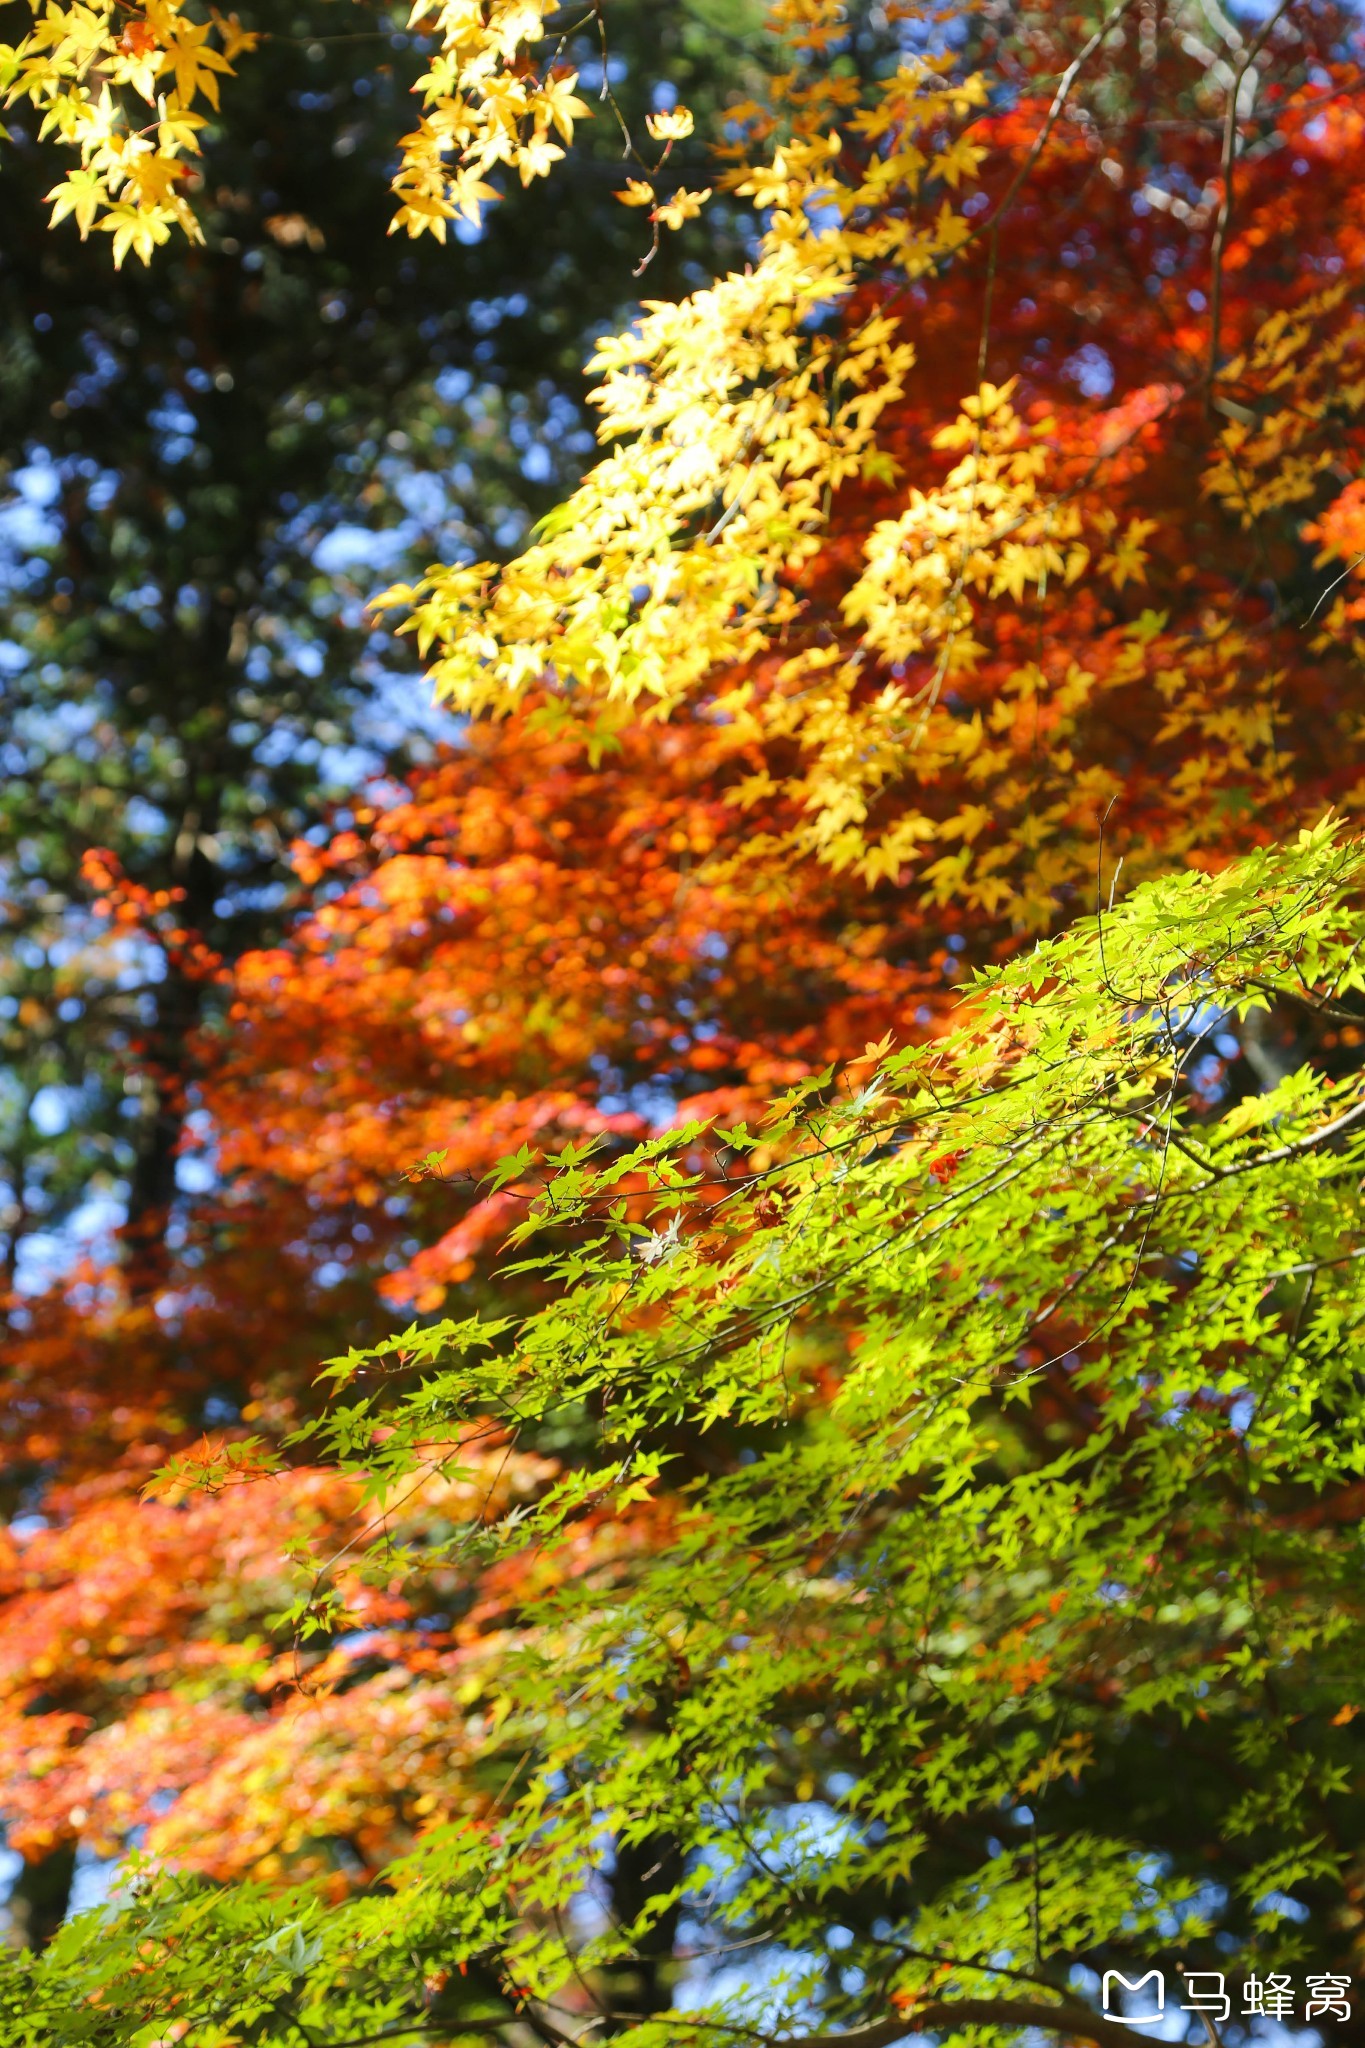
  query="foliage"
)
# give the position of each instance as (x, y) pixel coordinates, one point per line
(185, 676)
(131, 91)
(1049, 1387)
(860, 1562)
(190, 681)
(875, 631)
(90, 72)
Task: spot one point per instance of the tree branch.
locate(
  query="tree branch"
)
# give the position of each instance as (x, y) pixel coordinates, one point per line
(948, 2013)
(1228, 168)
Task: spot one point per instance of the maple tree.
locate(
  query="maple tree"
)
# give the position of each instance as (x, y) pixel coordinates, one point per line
(913, 1526)
(187, 686)
(163, 517)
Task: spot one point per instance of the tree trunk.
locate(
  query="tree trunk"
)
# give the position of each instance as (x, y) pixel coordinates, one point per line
(644, 1869)
(40, 1897)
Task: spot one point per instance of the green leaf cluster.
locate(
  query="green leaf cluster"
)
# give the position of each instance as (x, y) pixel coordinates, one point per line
(958, 1588)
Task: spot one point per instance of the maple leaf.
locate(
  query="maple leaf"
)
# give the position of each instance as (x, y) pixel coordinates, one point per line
(214, 1462)
(80, 196)
(673, 126)
(237, 41)
(556, 104)
(683, 206)
(536, 158)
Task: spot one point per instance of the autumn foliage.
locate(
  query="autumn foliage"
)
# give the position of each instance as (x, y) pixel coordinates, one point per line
(985, 550)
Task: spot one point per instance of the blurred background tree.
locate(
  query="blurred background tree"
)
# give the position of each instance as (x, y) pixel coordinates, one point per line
(206, 467)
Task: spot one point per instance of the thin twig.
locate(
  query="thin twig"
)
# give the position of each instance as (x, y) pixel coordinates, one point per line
(1225, 206)
(1039, 143)
(1353, 564)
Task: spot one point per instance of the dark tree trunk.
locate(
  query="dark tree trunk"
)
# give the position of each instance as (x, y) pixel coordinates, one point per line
(643, 1870)
(40, 1897)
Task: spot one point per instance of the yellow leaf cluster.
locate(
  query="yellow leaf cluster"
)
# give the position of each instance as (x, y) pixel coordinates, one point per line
(125, 90)
(481, 107)
(683, 564)
(732, 420)
(1279, 398)
(89, 70)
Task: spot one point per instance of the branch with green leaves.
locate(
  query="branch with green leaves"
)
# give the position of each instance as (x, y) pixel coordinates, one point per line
(992, 1429)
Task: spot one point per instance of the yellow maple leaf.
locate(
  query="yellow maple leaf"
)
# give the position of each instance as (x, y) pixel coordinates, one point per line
(682, 206)
(674, 126)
